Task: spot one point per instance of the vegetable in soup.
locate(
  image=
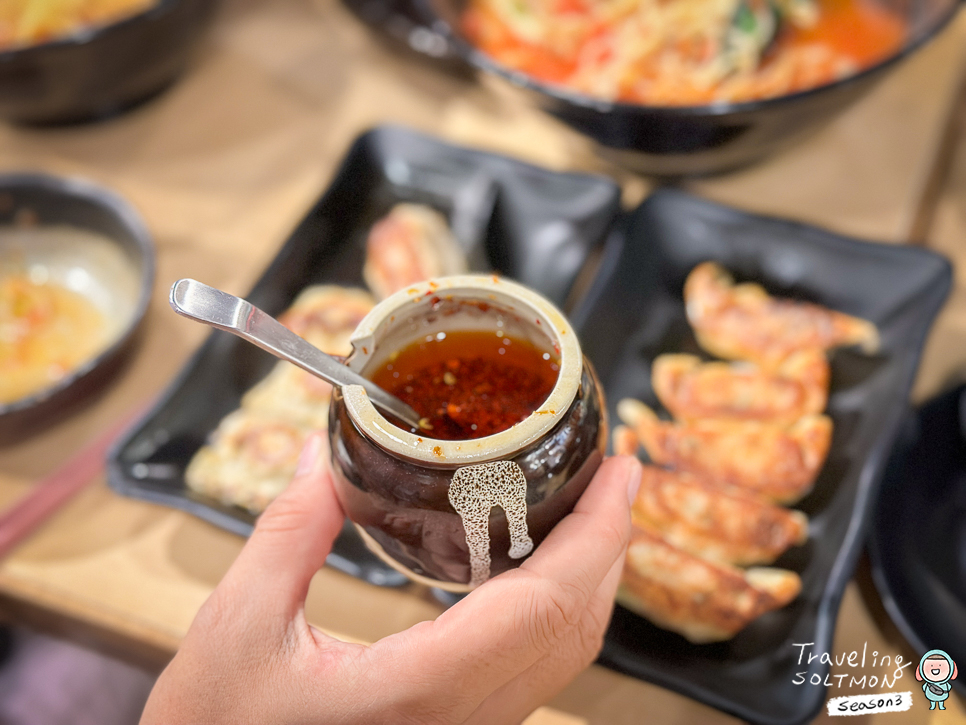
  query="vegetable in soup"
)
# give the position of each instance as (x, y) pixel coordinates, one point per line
(685, 52)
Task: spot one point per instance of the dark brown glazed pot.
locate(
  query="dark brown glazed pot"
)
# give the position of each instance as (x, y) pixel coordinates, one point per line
(401, 489)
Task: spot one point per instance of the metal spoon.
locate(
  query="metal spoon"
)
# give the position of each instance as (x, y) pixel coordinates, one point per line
(199, 302)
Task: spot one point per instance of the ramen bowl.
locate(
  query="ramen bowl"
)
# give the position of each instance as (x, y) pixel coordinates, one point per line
(452, 513)
(693, 140)
(102, 70)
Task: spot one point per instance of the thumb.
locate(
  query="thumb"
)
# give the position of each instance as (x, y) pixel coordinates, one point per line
(292, 537)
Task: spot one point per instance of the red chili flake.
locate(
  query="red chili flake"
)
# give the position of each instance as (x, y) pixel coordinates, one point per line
(497, 385)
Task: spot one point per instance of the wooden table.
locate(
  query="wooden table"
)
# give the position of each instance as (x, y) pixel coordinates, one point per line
(222, 167)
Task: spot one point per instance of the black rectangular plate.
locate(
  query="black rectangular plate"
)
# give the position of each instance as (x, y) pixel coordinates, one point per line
(922, 579)
(533, 225)
(634, 311)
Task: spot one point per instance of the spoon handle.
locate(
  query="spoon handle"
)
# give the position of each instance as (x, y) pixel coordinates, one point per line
(199, 302)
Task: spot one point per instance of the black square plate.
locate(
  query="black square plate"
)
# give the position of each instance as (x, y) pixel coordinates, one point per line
(527, 223)
(922, 579)
(634, 312)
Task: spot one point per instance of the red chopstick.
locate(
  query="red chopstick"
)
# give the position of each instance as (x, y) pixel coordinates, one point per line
(52, 492)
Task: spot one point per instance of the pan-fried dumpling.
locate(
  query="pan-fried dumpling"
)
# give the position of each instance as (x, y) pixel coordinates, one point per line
(624, 441)
(744, 322)
(694, 390)
(779, 463)
(292, 394)
(327, 315)
(250, 459)
(410, 244)
(714, 522)
(703, 601)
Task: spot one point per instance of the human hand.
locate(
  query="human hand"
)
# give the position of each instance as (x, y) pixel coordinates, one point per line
(250, 656)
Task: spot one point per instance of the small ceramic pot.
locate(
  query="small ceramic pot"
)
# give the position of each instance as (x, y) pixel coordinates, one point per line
(451, 514)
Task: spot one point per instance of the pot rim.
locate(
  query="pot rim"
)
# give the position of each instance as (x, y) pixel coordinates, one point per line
(511, 296)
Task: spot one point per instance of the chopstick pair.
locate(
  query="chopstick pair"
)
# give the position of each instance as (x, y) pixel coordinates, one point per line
(56, 489)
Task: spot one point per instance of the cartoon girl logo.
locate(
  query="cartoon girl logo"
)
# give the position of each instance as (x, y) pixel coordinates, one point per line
(936, 669)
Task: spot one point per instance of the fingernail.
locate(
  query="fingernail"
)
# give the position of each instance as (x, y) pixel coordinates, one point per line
(310, 455)
(634, 480)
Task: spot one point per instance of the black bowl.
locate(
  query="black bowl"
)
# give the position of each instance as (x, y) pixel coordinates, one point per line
(918, 541)
(103, 70)
(685, 140)
(122, 269)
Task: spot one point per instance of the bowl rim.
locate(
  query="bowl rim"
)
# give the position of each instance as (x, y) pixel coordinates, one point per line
(478, 59)
(122, 210)
(89, 33)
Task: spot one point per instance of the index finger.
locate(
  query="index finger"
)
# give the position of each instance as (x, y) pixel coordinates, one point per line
(507, 624)
(291, 540)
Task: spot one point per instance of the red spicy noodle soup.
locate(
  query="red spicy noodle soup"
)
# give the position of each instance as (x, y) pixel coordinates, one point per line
(685, 52)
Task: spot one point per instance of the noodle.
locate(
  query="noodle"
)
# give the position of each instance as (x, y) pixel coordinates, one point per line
(28, 22)
(684, 52)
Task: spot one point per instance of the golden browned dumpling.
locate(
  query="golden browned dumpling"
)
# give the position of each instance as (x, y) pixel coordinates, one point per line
(743, 322)
(292, 394)
(250, 459)
(694, 390)
(410, 244)
(327, 315)
(717, 523)
(703, 601)
(777, 462)
(624, 441)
